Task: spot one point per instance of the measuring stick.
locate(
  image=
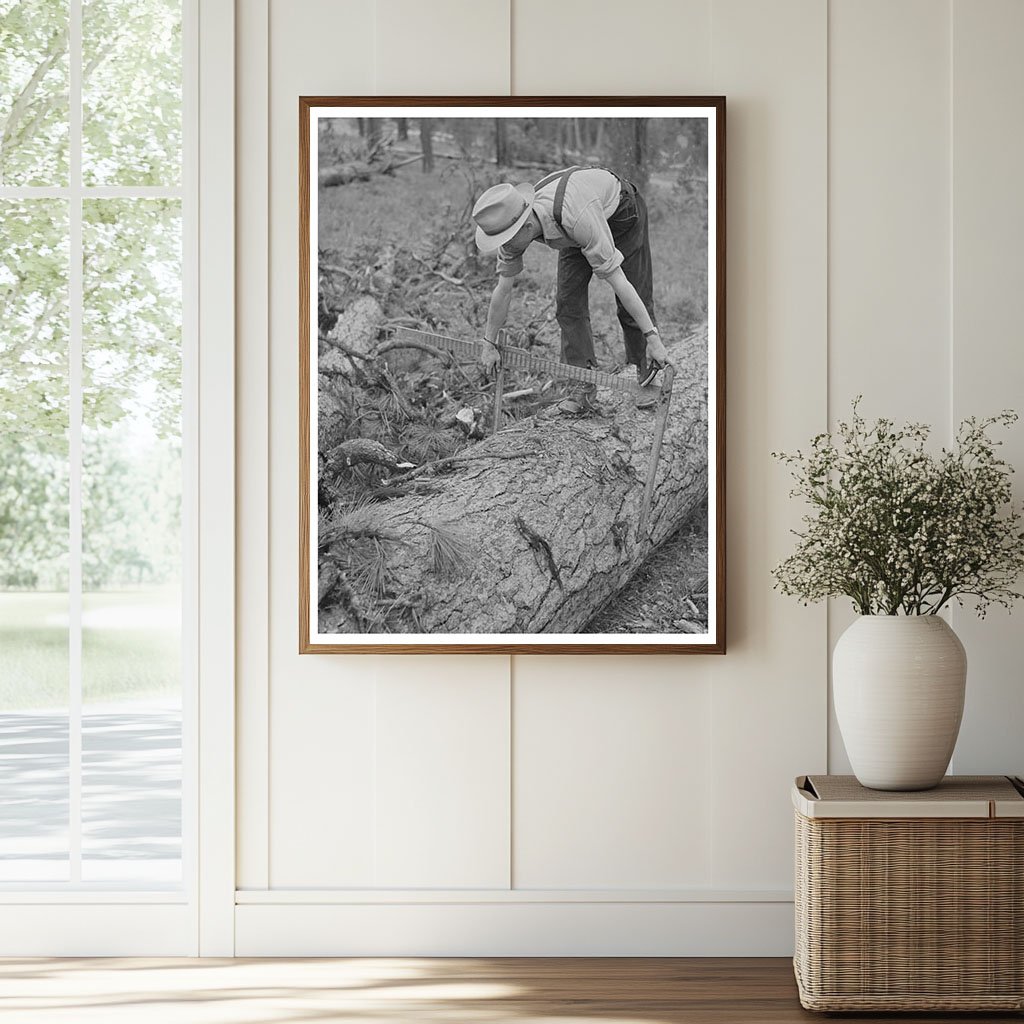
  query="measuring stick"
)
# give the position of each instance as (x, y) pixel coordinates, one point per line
(521, 359)
(660, 422)
(499, 383)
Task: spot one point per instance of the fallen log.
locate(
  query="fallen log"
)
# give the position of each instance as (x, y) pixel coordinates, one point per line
(546, 511)
(349, 341)
(357, 170)
(343, 174)
(363, 449)
(356, 328)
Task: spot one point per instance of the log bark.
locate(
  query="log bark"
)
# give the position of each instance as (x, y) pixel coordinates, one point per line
(545, 513)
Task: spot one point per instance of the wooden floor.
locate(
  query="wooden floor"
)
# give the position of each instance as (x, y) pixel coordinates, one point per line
(382, 991)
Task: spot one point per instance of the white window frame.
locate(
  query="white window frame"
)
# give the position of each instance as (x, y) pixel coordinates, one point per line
(197, 918)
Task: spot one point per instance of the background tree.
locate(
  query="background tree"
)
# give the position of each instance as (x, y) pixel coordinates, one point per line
(628, 154)
(427, 143)
(501, 148)
(373, 135)
(131, 365)
(33, 93)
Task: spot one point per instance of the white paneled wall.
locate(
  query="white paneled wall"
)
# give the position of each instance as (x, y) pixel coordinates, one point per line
(888, 265)
(768, 693)
(580, 48)
(441, 795)
(987, 355)
(625, 805)
(612, 780)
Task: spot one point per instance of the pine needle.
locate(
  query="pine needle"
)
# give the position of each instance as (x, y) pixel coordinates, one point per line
(449, 553)
(373, 575)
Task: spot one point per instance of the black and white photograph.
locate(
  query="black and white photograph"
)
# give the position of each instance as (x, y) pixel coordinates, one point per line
(512, 379)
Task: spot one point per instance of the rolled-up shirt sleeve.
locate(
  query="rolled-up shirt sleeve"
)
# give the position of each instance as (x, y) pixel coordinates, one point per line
(594, 237)
(510, 263)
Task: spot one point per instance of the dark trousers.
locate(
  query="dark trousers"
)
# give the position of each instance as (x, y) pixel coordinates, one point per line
(572, 305)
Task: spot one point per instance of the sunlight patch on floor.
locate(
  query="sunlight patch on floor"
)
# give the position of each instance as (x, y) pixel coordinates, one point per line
(300, 991)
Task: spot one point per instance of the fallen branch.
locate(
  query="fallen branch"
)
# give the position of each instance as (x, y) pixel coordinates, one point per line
(422, 346)
(388, 168)
(439, 273)
(346, 349)
(362, 449)
(450, 460)
(447, 358)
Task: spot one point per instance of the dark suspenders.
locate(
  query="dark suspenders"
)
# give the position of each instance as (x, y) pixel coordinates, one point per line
(563, 178)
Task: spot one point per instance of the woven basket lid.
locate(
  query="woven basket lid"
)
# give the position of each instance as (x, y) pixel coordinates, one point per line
(957, 796)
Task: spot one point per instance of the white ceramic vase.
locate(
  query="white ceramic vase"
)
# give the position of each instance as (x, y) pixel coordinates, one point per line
(898, 684)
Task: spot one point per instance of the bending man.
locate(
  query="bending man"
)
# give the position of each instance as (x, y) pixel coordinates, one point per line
(598, 223)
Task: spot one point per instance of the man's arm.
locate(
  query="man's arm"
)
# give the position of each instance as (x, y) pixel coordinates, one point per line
(497, 313)
(634, 305)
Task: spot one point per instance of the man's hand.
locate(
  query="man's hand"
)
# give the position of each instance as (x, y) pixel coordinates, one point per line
(490, 357)
(656, 350)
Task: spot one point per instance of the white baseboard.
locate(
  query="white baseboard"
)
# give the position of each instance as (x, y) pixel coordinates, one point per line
(99, 928)
(513, 928)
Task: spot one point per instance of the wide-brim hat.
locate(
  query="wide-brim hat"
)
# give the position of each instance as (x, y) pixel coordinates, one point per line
(500, 212)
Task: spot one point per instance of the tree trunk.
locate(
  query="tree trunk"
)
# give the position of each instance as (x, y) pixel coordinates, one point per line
(402, 127)
(532, 530)
(427, 144)
(373, 137)
(641, 172)
(501, 142)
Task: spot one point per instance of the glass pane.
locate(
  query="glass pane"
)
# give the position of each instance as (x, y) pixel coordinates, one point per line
(131, 92)
(131, 542)
(33, 92)
(33, 540)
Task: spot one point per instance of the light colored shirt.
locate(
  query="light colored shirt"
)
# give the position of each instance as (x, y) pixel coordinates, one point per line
(591, 197)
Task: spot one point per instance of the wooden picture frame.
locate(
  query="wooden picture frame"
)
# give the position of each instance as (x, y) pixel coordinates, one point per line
(364, 568)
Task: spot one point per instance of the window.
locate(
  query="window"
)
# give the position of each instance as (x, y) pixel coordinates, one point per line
(95, 463)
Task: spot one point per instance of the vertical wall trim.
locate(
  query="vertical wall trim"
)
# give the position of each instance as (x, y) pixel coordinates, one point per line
(373, 44)
(511, 773)
(711, 46)
(374, 782)
(828, 344)
(252, 589)
(949, 234)
(511, 48)
(216, 478)
(950, 72)
(950, 354)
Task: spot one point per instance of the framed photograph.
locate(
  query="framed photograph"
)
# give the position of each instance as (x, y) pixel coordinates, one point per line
(512, 375)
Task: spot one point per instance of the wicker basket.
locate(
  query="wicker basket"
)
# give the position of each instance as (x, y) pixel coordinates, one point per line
(910, 901)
